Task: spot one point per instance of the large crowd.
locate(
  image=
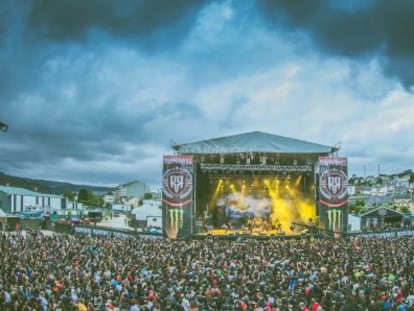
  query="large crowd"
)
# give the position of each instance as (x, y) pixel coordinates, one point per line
(39, 271)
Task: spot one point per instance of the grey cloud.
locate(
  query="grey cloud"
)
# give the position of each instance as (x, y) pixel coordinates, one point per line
(74, 19)
(380, 27)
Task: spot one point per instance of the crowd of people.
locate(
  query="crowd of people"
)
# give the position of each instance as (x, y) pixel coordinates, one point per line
(41, 271)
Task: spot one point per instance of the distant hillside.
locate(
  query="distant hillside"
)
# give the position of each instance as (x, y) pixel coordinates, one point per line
(47, 186)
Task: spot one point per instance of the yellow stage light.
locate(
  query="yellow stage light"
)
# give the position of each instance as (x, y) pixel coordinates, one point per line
(298, 180)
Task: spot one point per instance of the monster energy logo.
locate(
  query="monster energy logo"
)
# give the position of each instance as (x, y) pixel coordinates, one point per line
(176, 218)
(334, 220)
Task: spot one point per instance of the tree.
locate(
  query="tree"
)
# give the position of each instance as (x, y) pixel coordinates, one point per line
(83, 196)
(68, 194)
(404, 209)
(411, 180)
(148, 196)
(357, 208)
(88, 198)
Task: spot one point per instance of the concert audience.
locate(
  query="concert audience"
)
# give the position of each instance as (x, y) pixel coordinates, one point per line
(66, 272)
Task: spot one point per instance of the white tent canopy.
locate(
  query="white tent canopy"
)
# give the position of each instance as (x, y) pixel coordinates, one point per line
(149, 208)
(255, 141)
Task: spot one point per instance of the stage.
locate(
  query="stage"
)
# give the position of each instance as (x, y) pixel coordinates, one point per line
(252, 185)
(232, 234)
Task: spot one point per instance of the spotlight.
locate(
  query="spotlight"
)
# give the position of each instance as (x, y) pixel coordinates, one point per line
(3, 127)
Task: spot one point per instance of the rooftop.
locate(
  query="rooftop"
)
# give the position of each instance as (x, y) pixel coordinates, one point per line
(23, 191)
(255, 141)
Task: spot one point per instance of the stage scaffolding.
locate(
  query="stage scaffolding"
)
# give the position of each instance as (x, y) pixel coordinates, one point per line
(205, 167)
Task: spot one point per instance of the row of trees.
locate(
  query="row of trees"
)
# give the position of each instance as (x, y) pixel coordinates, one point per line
(85, 196)
(89, 199)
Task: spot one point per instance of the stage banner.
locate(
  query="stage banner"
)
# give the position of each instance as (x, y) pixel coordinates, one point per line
(333, 193)
(177, 196)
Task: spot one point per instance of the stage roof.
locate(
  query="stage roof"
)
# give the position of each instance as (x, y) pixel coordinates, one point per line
(253, 142)
(382, 212)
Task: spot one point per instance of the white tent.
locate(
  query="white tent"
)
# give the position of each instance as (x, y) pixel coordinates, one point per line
(354, 223)
(150, 212)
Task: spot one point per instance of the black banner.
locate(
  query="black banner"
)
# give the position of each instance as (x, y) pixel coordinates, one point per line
(333, 193)
(177, 196)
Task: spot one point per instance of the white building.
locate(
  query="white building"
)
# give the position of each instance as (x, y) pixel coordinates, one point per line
(351, 190)
(135, 189)
(380, 191)
(16, 200)
(121, 208)
(108, 198)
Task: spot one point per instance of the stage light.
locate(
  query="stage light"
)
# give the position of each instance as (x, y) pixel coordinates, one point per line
(3, 127)
(298, 180)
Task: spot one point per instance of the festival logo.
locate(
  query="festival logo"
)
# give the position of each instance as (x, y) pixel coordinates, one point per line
(177, 183)
(334, 185)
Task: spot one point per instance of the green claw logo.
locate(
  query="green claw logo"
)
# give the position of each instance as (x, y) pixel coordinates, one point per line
(334, 220)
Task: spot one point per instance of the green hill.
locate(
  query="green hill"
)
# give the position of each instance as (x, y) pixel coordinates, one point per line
(47, 186)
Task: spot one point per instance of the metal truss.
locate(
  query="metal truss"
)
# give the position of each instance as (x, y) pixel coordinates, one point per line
(259, 168)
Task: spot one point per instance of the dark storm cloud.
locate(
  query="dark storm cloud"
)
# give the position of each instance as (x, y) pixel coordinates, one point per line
(354, 29)
(73, 19)
(95, 90)
(49, 126)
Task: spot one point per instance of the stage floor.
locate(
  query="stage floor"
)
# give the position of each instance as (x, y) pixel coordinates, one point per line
(255, 234)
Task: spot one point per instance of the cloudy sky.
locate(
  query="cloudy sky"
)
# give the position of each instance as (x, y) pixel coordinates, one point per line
(95, 91)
